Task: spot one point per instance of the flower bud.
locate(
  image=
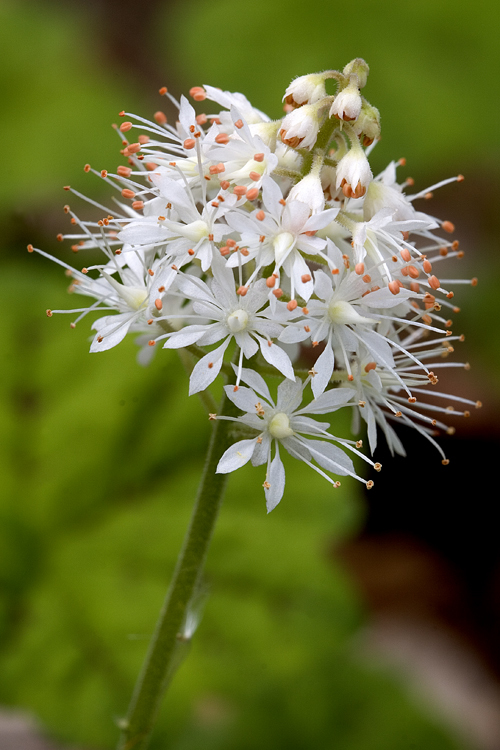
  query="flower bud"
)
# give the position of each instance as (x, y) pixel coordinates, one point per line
(300, 127)
(347, 103)
(368, 122)
(310, 191)
(305, 90)
(354, 173)
(328, 183)
(359, 68)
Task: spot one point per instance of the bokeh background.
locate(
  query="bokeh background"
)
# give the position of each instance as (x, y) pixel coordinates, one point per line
(339, 621)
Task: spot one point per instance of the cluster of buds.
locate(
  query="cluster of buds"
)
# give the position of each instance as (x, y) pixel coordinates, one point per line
(268, 249)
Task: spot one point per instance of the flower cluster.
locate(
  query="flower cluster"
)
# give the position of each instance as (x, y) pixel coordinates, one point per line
(272, 244)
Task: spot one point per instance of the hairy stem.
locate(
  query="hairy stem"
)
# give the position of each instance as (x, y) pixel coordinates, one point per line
(163, 654)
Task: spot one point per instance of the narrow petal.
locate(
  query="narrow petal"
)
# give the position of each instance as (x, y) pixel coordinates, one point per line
(236, 456)
(278, 358)
(324, 369)
(276, 480)
(206, 370)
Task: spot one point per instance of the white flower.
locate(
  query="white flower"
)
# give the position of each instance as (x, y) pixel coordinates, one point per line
(245, 158)
(354, 173)
(310, 191)
(278, 235)
(382, 399)
(347, 103)
(307, 89)
(285, 424)
(235, 317)
(300, 127)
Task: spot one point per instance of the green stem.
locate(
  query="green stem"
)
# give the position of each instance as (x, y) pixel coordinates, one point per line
(162, 656)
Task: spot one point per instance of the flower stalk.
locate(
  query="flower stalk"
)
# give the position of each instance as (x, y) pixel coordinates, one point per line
(161, 659)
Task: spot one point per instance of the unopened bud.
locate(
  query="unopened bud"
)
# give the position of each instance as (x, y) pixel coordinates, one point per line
(359, 68)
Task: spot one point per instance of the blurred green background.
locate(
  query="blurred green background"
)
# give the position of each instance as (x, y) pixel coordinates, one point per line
(100, 458)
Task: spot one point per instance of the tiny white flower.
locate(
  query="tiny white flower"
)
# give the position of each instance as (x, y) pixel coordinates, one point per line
(354, 173)
(245, 318)
(307, 89)
(309, 191)
(300, 127)
(347, 103)
(285, 424)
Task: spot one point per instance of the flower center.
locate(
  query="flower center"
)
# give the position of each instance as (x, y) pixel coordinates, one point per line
(283, 243)
(195, 231)
(279, 426)
(343, 313)
(237, 321)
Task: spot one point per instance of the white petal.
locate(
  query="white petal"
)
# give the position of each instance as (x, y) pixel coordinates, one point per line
(277, 357)
(330, 457)
(255, 381)
(185, 337)
(244, 398)
(324, 369)
(206, 370)
(328, 401)
(293, 334)
(113, 332)
(289, 395)
(236, 456)
(276, 479)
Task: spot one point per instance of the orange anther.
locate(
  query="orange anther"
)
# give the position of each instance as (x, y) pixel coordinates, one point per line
(124, 171)
(224, 184)
(448, 227)
(394, 287)
(217, 168)
(255, 176)
(133, 148)
(414, 273)
(126, 193)
(292, 305)
(30, 248)
(86, 168)
(198, 93)
(59, 237)
(260, 215)
(239, 190)
(258, 157)
(359, 268)
(158, 304)
(242, 290)
(402, 162)
(252, 194)
(189, 143)
(278, 292)
(222, 138)
(427, 266)
(370, 366)
(138, 205)
(160, 117)
(270, 282)
(122, 113)
(367, 278)
(305, 278)
(405, 254)
(125, 127)
(163, 91)
(238, 124)
(434, 282)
